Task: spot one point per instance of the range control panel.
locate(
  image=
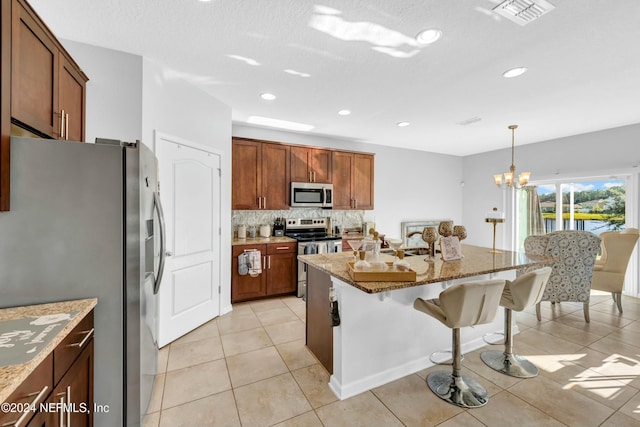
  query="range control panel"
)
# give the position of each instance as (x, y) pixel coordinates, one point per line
(297, 223)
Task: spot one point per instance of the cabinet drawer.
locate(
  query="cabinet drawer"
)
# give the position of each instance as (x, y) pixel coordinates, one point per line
(238, 249)
(34, 390)
(69, 349)
(281, 248)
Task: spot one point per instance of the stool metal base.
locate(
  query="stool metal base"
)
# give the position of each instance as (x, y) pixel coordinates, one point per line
(510, 364)
(461, 391)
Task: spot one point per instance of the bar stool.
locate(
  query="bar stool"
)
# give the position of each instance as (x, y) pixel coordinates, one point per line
(465, 304)
(525, 291)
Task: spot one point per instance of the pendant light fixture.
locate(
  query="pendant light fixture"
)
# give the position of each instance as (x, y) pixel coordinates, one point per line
(509, 177)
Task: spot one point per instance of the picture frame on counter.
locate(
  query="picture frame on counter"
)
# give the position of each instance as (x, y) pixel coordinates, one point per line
(450, 248)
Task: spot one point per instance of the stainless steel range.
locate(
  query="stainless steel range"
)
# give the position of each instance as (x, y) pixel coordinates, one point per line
(312, 237)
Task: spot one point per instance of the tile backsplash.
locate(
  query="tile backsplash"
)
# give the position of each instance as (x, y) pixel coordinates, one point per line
(352, 218)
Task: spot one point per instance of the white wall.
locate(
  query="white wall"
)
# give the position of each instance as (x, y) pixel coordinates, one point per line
(174, 107)
(114, 91)
(602, 153)
(129, 97)
(409, 185)
(597, 153)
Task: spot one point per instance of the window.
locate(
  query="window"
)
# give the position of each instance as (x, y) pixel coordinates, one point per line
(596, 205)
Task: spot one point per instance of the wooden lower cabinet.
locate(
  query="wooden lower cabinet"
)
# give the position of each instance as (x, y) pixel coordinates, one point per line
(279, 272)
(319, 330)
(75, 391)
(61, 387)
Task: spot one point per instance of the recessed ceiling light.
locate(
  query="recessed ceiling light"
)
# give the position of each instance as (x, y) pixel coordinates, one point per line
(344, 112)
(402, 124)
(277, 123)
(514, 72)
(428, 36)
(296, 73)
(268, 96)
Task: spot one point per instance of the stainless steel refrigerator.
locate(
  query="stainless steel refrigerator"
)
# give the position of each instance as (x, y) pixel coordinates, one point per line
(86, 222)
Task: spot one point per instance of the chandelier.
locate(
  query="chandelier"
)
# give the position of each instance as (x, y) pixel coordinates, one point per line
(509, 177)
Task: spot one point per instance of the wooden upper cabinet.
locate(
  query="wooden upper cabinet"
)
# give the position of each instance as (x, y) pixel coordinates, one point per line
(71, 98)
(47, 87)
(362, 182)
(34, 73)
(260, 175)
(353, 180)
(342, 172)
(310, 165)
(275, 176)
(246, 174)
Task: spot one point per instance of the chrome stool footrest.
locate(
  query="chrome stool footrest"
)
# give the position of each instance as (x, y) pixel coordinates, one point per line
(462, 391)
(510, 364)
(433, 358)
(487, 338)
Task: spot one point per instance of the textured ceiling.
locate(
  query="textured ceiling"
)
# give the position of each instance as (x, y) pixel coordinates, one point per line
(583, 59)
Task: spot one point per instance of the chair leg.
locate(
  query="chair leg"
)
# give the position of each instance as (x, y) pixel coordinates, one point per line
(585, 308)
(618, 299)
(505, 361)
(454, 387)
(613, 295)
(538, 312)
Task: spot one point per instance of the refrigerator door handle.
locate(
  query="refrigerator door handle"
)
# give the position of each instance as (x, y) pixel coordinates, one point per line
(158, 207)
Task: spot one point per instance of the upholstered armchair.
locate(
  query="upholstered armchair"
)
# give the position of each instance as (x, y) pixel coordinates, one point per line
(609, 271)
(575, 255)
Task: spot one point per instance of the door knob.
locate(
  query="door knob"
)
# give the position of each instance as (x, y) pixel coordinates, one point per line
(169, 253)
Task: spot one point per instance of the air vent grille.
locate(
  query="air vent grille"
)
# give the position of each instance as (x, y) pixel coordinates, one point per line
(523, 12)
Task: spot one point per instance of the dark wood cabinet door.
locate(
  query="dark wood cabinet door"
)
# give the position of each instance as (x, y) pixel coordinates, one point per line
(276, 164)
(281, 273)
(43, 419)
(246, 287)
(75, 389)
(34, 74)
(318, 326)
(341, 177)
(71, 100)
(246, 174)
(300, 171)
(321, 165)
(362, 181)
(310, 165)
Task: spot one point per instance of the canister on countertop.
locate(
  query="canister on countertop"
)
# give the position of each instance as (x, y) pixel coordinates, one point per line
(265, 230)
(242, 231)
(251, 231)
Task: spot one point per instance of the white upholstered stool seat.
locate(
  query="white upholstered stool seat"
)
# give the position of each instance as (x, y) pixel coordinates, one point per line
(462, 305)
(518, 295)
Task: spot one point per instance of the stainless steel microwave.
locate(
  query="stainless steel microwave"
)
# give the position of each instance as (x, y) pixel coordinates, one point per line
(311, 195)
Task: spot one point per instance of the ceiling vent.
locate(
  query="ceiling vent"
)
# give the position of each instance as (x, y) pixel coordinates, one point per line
(523, 12)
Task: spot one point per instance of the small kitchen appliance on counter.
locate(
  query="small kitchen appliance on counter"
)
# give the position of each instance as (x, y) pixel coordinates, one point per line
(312, 237)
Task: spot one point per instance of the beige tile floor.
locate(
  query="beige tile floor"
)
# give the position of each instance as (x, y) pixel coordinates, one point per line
(251, 368)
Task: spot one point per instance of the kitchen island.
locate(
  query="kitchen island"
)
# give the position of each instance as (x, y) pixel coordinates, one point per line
(381, 337)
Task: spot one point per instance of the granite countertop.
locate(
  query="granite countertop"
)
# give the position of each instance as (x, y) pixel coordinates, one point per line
(13, 375)
(477, 260)
(262, 240)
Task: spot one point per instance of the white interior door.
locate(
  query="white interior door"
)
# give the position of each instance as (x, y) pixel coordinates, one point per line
(189, 177)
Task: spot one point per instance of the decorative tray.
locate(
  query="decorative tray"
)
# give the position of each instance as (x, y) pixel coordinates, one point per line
(393, 274)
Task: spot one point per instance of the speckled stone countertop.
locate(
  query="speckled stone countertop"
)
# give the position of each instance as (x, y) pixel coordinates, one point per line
(12, 376)
(476, 261)
(262, 240)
